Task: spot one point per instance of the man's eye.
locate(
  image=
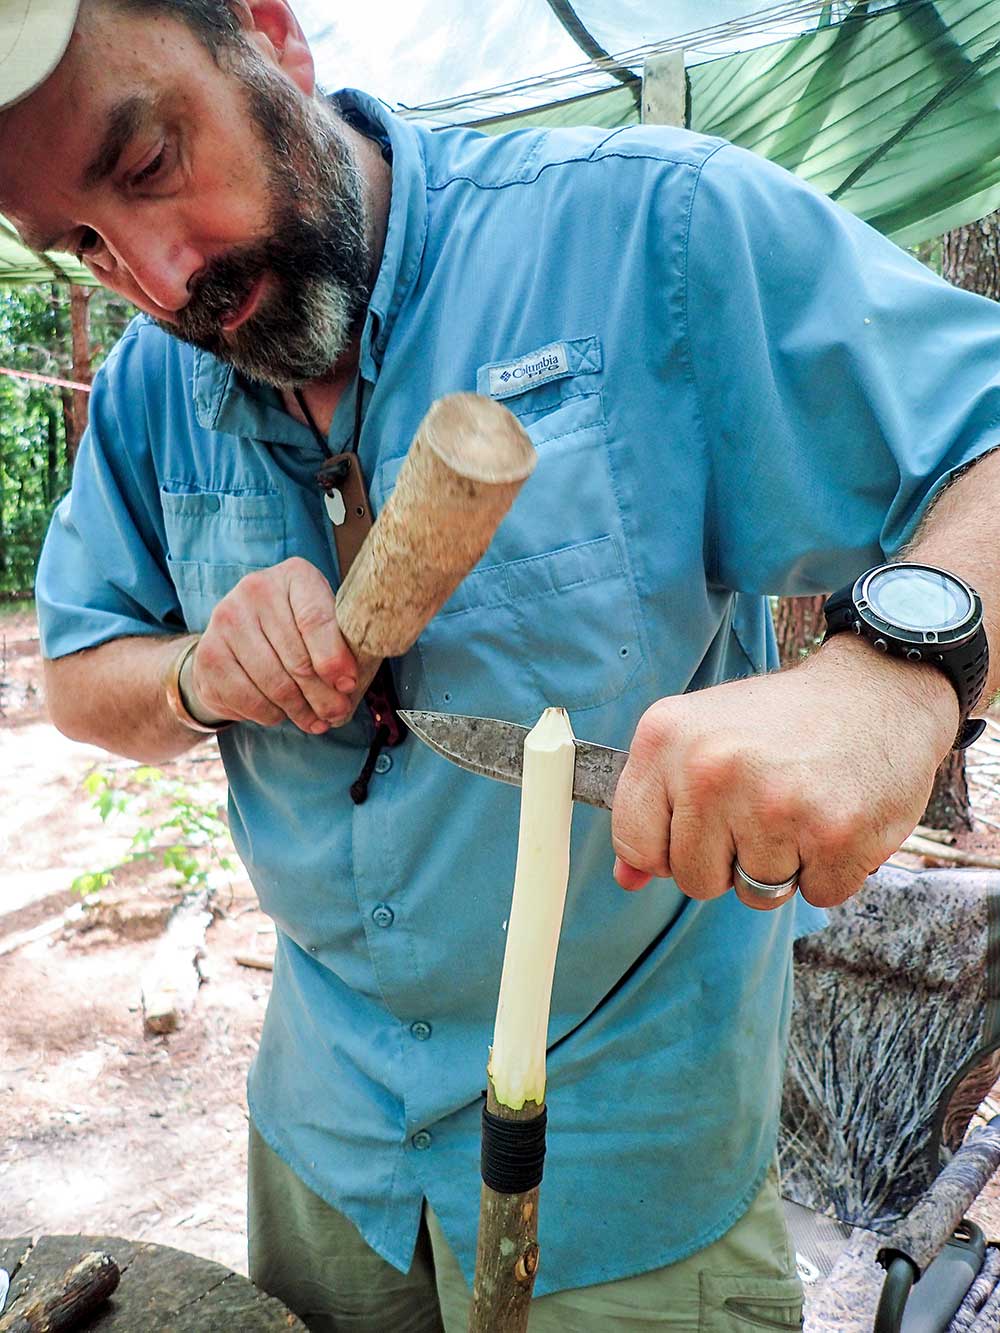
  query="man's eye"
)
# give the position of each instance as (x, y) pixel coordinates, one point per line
(151, 170)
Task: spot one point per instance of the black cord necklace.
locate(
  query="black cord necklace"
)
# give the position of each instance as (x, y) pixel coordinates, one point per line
(311, 420)
(380, 696)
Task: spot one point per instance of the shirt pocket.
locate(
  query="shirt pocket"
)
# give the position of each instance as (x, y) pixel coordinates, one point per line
(550, 615)
(216, 537)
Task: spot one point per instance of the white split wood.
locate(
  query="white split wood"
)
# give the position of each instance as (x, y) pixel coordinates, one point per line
(517, 1058)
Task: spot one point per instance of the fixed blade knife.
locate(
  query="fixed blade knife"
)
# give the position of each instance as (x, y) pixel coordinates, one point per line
(495, 749)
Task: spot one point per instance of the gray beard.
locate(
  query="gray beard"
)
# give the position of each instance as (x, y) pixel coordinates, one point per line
(316, 254)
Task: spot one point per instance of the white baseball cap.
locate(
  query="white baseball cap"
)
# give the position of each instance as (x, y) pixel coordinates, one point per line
(34, 35)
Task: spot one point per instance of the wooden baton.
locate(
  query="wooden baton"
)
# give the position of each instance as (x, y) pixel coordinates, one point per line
(468, 460)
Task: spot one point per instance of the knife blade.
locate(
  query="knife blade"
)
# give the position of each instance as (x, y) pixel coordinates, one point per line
(495, 749)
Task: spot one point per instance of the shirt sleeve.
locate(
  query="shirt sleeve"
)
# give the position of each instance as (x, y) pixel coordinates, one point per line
(102, 574)
(840, 381)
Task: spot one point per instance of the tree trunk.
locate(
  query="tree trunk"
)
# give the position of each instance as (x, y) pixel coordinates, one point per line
(970, 258)
(82, 371)
(948, 807)
(799, 625)
(53, 440)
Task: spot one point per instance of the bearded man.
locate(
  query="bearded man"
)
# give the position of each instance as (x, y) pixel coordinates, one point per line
(735, 390)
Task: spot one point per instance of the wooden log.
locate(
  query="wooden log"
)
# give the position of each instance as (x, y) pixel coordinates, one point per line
(63, 1304)
(468, 461)
(169, 984)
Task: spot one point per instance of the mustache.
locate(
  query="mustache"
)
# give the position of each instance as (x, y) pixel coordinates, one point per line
(220, 290)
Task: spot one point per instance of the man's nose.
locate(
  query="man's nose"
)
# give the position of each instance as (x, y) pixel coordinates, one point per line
(162, 267)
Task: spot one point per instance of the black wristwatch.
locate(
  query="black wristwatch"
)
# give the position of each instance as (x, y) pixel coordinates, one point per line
(921, 614)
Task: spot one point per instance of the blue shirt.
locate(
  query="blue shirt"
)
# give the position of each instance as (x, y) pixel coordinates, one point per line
(735, 389)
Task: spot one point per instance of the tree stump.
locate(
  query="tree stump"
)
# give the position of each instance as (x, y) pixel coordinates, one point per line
(162, 1290)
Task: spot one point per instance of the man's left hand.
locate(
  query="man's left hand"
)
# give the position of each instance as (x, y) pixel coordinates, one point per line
(821, 770)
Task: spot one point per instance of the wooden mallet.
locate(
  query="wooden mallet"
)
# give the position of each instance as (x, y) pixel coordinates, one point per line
(467, 462)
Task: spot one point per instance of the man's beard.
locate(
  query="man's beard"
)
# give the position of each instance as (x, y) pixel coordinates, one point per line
(315, 258)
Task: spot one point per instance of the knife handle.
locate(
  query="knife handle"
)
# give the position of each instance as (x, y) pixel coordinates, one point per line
(467, 462)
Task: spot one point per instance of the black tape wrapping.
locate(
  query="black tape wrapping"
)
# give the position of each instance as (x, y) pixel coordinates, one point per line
(513, 1152)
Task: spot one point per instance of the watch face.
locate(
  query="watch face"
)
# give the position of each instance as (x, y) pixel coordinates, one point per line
(912, 597)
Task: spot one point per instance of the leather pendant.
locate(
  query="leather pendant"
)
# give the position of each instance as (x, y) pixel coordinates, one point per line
(347, 505)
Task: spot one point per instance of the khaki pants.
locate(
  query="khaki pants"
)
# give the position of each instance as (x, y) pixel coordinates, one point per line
(312, 1258)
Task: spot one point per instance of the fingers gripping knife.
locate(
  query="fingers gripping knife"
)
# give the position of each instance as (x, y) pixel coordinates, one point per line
(468, 461)
(493, 748)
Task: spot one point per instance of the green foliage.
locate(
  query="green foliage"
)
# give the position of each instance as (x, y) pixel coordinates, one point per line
(179, 830)
(34, 469)
(929, 253)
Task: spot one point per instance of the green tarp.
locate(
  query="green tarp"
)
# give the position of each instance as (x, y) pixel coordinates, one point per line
(896, 114)
(20, 265)
(898, 117)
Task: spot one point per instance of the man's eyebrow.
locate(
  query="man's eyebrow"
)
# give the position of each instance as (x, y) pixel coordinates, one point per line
(124, 121)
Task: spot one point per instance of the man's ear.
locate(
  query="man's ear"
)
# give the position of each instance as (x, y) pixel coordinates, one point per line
(272, 27)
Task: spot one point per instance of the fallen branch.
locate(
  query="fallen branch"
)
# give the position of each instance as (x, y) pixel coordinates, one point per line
(65, 1303)
(50, 927)
(934, 834)
(935, 851)
(169, 985)
(255, 960)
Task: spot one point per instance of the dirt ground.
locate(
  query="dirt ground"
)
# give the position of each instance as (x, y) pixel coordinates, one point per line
(105, 1130)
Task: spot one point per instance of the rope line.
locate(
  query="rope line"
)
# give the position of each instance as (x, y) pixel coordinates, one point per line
(808, 13)
(44, 379)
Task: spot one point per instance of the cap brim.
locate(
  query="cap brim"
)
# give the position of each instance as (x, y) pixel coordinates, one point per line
(34, 35)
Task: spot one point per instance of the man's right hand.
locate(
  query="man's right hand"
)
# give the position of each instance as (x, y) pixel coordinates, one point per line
(273, 650)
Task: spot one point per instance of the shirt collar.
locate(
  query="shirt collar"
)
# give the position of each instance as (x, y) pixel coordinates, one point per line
(225, 401)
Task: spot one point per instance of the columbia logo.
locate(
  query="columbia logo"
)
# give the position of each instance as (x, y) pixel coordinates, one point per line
(535, 368)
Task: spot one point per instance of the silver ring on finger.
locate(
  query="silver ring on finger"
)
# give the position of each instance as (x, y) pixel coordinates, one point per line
(741, 880)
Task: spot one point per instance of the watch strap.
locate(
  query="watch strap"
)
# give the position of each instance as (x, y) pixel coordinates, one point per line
(967, 672)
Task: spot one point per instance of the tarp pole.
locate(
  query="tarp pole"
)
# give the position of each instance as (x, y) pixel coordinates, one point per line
(665, 98)
(591, 47)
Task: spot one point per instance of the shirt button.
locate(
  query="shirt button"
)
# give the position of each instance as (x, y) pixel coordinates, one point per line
(212, 504)
(421, 1139)
(420, 1030)
(383, 915)
(383, 763)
